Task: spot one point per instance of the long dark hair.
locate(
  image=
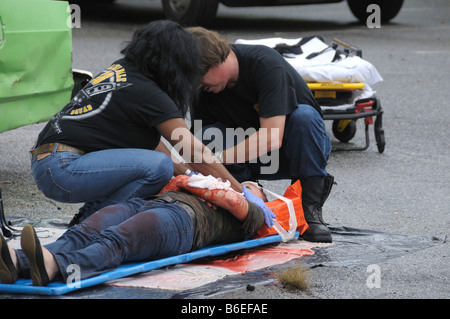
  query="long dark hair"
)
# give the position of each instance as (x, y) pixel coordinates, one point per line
(168, 54)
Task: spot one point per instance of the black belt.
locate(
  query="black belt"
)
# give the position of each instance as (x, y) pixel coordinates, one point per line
(168, 199)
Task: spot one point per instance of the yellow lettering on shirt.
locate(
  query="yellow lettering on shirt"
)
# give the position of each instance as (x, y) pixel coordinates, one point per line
(102, 77)
(81, 110)
(116, 69)
(121, 76)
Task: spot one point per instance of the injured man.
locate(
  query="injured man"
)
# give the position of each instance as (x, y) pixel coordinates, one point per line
(183, 217)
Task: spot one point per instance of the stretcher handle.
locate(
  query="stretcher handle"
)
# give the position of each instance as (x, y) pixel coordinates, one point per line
(350, 49)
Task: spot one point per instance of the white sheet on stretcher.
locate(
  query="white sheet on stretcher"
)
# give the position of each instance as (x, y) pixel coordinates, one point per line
(348, 69)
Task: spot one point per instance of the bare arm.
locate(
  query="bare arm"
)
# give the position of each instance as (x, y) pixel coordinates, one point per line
(269, 137)
(230, 200)
(179, 167)
(198, 157)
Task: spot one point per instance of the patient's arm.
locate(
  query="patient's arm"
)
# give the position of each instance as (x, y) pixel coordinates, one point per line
(230, 200)
(172, 185)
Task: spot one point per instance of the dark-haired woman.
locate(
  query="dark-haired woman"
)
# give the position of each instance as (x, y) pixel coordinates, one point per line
(104, 146)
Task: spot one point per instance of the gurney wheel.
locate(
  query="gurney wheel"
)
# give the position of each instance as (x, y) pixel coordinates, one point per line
(344, 130)
(379, 134)
(380, 142)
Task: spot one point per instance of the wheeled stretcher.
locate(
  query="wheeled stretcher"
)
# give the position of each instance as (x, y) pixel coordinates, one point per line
(332, 96)
(340, 81)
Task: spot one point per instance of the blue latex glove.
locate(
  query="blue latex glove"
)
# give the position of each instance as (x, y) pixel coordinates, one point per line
(268, 214)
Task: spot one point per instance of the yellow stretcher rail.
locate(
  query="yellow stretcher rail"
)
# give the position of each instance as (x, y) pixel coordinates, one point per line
(335, 85)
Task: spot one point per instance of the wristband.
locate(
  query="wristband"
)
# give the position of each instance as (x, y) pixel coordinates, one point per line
(188, 172)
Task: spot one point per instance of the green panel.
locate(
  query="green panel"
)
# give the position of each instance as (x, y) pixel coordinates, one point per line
(35, 61)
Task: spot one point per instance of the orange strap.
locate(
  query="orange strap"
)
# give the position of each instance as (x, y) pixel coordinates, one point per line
(281, 210)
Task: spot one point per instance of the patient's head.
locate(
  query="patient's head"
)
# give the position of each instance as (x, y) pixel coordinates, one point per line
(255, 189)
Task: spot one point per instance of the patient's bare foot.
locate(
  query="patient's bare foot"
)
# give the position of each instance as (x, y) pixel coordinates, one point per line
(50, 264)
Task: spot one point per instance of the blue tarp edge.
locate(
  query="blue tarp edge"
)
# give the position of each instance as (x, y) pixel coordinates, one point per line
(25, 286)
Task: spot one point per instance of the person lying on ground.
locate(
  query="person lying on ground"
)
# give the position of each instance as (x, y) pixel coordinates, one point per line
(178, 220)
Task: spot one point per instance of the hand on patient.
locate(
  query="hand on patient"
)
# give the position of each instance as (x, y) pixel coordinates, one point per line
(268, 214)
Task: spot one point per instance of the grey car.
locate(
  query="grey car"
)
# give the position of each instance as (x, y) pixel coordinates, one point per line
(203, 12)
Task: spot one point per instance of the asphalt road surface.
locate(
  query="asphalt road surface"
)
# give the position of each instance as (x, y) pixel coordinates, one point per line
(404, 190)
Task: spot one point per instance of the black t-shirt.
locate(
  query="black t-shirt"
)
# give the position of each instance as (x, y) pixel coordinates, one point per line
(267, 86)
(119, 108)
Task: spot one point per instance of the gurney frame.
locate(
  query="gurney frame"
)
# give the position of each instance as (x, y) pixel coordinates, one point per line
(344, 120)
(344, 123)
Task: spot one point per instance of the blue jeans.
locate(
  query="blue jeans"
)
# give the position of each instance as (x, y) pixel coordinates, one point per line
(101, 178)
(304, 152)
(133, 231)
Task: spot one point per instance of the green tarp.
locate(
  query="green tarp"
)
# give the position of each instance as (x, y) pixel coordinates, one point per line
(35, 61)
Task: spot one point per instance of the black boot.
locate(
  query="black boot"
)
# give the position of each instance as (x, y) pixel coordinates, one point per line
(314, 195)
(77, 217)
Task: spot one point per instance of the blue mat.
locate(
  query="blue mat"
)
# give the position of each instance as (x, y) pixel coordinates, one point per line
(25, 286)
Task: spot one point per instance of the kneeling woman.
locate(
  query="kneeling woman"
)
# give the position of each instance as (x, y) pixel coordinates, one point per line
(171, 223)
(105, 147)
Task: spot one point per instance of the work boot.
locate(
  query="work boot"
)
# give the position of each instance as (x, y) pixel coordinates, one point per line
(314, 195)
(77, 217)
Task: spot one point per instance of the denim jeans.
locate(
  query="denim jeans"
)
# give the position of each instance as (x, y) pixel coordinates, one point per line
(101, 178)
(303, 155)
(134, 231)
